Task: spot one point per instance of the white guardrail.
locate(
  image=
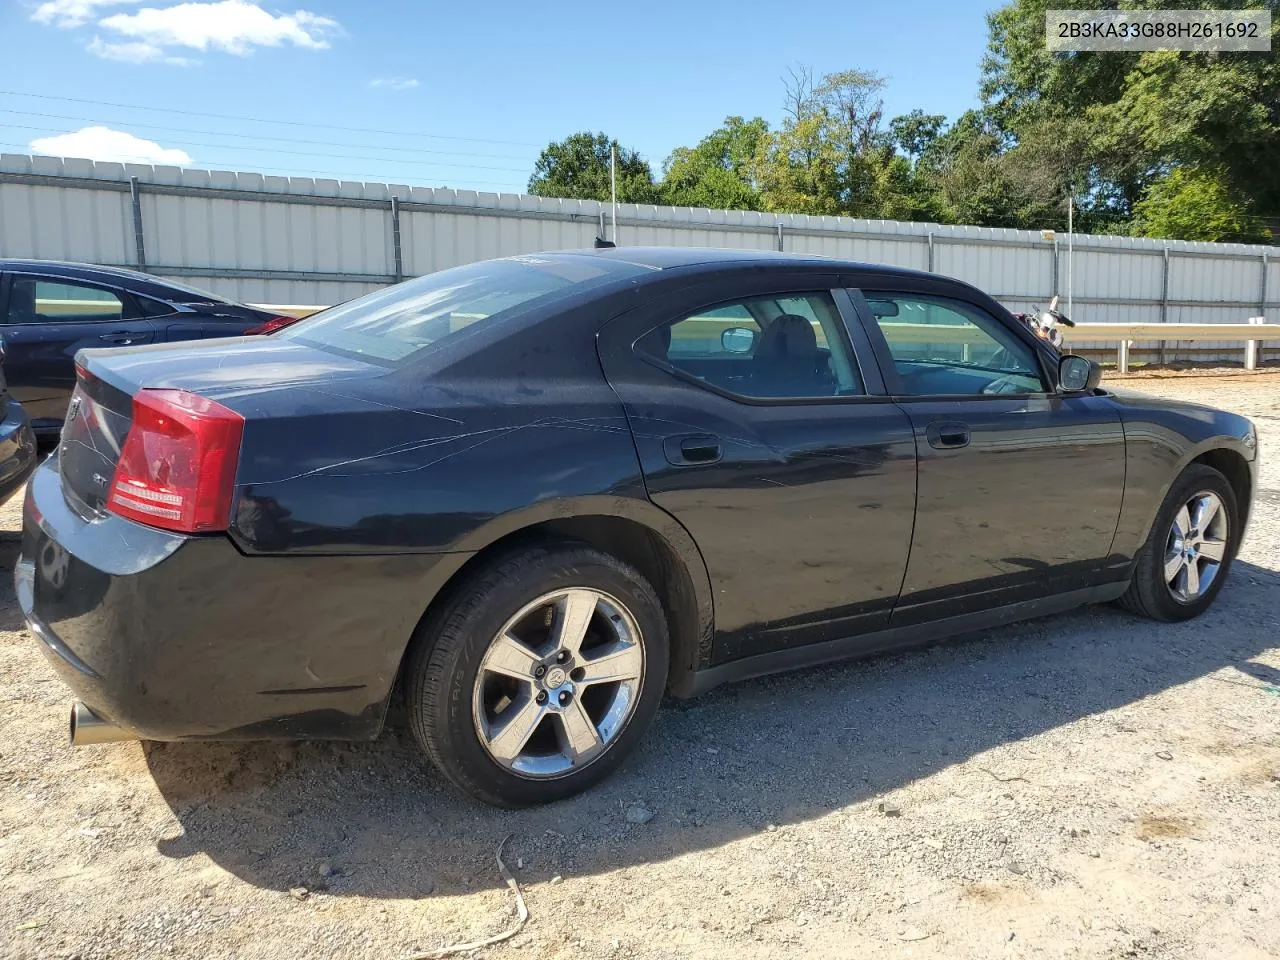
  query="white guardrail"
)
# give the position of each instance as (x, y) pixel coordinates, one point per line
(1126, 334)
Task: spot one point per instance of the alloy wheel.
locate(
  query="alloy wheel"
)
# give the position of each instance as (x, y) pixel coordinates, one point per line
(1196, 546)
(558, 683)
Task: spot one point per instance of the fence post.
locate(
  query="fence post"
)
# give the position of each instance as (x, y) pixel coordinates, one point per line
(1164, 300)
(1252, 347)
(780, 237)
(1054, 292)
(395, 238)
(931, 253)
(1122, 357)
(135, 197)
(1262, 298)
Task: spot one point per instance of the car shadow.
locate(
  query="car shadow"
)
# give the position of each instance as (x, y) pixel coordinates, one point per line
(374, 819)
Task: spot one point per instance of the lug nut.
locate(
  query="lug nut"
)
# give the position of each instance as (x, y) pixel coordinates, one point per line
(541, 697)
(539, 671)
(564, 698)
(562, 656)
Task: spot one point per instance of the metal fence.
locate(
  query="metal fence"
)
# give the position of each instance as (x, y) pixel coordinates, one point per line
(298, 240)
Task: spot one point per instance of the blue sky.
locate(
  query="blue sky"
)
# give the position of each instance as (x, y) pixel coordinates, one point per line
(460, 94)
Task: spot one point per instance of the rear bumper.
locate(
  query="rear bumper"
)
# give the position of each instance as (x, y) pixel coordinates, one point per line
(17, 450)
(178, 638)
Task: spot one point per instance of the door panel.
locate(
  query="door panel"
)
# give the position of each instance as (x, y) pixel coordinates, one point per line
(802, 509)
(1019, 489)
(1025, 506)
(48, 320)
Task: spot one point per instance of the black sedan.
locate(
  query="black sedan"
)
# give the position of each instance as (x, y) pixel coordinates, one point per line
(533, 494)
(51, 310)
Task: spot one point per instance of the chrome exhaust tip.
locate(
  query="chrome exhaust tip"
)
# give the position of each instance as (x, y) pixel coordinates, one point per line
(87, 727)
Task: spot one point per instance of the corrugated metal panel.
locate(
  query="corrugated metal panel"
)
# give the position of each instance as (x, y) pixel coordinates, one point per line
(299, 240)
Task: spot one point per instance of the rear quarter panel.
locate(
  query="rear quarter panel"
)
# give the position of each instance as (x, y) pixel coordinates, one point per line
(419, 460)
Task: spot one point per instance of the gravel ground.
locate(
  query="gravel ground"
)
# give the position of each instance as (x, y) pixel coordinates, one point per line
(1091, 785)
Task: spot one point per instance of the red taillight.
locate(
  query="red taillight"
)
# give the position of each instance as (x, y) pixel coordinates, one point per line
(271, 326)
(178, 466)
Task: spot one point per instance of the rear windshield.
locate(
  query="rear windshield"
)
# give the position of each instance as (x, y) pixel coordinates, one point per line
(189, 294)
(393, 325)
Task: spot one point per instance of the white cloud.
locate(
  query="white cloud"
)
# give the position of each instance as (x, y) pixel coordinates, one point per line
(72, 13)
(393, 83)
(234, 26)
(103, 143)
(134, 52)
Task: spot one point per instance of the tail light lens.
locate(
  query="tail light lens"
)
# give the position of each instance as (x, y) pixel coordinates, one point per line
(271, 326)
(178, 466)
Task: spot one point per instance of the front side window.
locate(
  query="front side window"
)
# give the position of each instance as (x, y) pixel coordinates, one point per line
(944, 347)
(763, 347)
(32, 300)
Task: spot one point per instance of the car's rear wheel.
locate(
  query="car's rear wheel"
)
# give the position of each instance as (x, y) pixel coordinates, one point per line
(1186, 558)
(539, 675)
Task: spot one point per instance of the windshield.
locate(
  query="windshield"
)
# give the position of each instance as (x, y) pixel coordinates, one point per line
(393, 325)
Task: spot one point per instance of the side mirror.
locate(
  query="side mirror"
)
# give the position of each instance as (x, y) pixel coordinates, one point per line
(1076, 374)
(737, 340)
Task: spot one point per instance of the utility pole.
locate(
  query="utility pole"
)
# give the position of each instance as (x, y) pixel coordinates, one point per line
(613, 187)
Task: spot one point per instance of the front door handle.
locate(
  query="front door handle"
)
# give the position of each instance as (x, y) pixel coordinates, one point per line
(121, 339)
(689, 450)
(947, 434)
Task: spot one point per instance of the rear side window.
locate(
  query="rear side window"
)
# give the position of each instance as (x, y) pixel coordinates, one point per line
(32, 300)
(395, 324)
(763, 348)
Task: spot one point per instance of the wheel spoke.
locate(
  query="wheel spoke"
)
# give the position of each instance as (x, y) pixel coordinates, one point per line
(1213, 550)
(1173, 564)
(515, 732)
(623, 661)
(1181, 522)
(1206, 509)
(1193, 579)
(511, 658)
(574, 617)
(581, 739)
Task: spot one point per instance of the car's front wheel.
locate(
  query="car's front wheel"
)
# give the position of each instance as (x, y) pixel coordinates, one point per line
(539, 675)
(1186, 558)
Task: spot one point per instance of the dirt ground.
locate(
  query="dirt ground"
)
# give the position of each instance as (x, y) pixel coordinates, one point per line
(1091, 785)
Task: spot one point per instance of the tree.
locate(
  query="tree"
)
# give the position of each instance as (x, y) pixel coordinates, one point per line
(720, 171)
(831, 155)
(914, 132)
(578, 168)
(1190, 203)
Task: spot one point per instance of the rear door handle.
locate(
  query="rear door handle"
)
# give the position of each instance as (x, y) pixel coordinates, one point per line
(685, 451)
(123, 339)
(947, 434)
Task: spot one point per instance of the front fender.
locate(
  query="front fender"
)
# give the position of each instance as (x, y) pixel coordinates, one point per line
(1161, 439)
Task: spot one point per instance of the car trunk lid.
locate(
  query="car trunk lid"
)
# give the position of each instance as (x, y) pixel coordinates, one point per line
(238, 373)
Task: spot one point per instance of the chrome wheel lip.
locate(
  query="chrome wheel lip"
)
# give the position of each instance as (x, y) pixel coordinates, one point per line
(560, 683)
(1196, 546)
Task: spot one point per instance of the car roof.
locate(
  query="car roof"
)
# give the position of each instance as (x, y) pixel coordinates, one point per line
(120, 276)
(668, 258)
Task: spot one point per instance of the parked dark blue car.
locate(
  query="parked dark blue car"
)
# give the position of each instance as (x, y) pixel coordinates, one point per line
(49, 310)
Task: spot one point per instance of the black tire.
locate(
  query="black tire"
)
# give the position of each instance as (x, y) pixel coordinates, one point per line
(440, 675)
(1148, 594)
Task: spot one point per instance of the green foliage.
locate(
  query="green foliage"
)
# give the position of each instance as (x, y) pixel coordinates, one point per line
(578, 168)
(720, 171)
(1155, 143)
(1195, 204)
